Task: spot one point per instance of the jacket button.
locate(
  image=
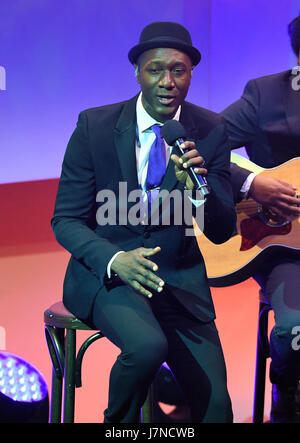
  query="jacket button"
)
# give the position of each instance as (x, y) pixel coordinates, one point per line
(147, 234)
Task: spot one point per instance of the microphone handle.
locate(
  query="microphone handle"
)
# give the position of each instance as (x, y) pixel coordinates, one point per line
(197, 179)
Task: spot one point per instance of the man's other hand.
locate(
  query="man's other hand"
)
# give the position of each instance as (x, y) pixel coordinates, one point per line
(136, 270)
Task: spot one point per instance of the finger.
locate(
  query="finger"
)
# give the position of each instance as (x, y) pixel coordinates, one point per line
(201, 171)
(195, 163)
(190, 154)
(289, 209)
(285, 201)
(193, 157)
(147, 252)
(175, 159)
(282, 211)
(287, 185)
(187, 145)
(286, 189)
(140, 289)
(145, 262)
(146, 280)
(288, 199)
(148, 264)
(145, 268)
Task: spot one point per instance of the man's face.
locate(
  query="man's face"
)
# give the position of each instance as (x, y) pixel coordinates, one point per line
(164, 75)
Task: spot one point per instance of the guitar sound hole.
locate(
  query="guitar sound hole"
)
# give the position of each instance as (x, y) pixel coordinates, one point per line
(270, 218)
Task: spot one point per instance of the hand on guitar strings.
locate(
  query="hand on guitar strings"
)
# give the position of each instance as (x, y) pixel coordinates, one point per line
(278, 196)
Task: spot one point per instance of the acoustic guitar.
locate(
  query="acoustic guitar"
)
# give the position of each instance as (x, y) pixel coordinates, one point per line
(259, 233)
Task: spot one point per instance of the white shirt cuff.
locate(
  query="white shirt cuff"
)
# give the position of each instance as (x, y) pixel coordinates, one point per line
(108, 270)
(247, 183)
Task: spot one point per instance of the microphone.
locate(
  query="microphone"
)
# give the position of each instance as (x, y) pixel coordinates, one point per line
(174, 134)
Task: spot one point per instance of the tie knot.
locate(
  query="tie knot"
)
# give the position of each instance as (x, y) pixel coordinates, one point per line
(157, 130)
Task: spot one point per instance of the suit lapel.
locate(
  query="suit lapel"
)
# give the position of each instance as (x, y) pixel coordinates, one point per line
(125, 141)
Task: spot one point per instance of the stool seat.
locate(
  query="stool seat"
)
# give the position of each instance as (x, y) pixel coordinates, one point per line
(59, 316)
(58, 309)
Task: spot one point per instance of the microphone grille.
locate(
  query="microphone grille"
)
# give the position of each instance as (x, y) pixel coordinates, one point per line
(172, 130)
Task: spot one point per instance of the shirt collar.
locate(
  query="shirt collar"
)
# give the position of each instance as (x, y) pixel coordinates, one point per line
(144, 120)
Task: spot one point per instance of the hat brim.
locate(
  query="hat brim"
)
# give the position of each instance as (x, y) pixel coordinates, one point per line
(137, 50)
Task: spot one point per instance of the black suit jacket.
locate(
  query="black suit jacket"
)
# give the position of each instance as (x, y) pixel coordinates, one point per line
(100, 154)
(266, 120)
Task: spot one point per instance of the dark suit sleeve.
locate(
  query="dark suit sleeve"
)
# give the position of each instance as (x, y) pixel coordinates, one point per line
(242, 117)
(242, 120)
(74, 215)
(238, 177)
(219, 213)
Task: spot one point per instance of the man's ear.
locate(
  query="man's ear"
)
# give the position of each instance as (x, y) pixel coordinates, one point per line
(137, 73)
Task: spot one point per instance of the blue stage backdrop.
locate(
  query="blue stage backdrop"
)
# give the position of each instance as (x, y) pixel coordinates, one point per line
(58, 58)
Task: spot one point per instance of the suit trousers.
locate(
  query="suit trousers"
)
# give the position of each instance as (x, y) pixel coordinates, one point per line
(280, 281)
(150, 332)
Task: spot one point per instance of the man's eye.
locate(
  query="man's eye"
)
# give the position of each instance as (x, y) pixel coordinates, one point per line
(178, 71)
(155, 70)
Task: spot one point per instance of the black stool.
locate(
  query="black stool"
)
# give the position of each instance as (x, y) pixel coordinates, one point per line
(60, 331)
(262, 353)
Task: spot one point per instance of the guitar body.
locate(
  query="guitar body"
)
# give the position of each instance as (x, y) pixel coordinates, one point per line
(258, 235)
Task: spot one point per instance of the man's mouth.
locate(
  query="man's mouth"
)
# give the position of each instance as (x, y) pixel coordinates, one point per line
(166, 99)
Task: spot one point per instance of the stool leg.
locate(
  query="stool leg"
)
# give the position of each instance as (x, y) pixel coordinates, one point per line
(56, 396)
(260, 371)
(146, 411)
(69, 376)
(55, 340)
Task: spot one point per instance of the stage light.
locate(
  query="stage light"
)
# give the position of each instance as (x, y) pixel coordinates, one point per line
(23, 391)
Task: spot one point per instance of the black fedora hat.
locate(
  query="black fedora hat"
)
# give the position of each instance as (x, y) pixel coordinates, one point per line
(165, 35)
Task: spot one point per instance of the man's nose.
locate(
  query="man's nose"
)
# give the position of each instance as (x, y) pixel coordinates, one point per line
(167, 80)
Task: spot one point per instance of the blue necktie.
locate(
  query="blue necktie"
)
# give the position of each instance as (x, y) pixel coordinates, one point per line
(156, 166)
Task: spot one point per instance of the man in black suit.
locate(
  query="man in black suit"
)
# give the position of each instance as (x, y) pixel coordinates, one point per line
(266, 120)
(144, 285)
